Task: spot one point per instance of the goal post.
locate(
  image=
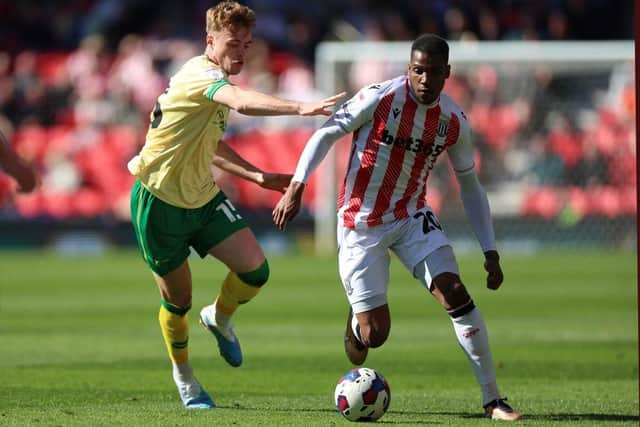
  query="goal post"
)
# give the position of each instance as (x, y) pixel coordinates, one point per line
(515, 63)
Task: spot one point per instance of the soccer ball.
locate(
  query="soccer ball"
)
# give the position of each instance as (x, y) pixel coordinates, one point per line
(362, 394)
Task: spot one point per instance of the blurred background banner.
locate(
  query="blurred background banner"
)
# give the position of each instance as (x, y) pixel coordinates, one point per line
(548, 86)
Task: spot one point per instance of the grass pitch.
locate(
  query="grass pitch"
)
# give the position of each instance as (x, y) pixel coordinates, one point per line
(81, 345)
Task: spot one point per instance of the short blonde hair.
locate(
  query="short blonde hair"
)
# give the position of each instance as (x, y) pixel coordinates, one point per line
(228, 13)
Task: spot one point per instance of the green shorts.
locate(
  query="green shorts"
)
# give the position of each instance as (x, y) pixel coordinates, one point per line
(165, 232)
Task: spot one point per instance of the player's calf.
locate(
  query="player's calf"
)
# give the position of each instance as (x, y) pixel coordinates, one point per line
(354, 348)
(368, 329)
(240, 288)
(372, 326)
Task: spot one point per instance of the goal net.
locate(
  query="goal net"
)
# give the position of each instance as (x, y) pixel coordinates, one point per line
(554, 129)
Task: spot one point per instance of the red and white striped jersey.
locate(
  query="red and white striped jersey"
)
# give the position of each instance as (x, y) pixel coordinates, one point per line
(396, 141)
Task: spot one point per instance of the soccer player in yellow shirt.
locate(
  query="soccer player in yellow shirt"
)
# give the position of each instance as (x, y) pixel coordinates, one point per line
(176, 204)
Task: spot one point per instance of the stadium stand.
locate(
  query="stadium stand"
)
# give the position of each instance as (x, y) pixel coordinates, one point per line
(75, 98)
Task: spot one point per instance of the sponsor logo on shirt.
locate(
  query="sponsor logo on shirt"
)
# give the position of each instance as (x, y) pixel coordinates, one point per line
(414, 145)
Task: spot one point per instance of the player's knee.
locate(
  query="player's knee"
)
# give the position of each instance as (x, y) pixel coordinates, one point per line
(181, 299)
(257, 277)
(451, 290)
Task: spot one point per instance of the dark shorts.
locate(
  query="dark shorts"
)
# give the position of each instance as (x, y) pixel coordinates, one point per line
(165, 232)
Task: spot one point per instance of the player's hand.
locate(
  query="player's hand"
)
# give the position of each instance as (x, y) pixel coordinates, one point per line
(275, 181)
(289, 205)
(24, 174)
(320, 108)
(492, 266)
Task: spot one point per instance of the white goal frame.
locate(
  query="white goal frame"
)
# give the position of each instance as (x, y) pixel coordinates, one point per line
(330, 54)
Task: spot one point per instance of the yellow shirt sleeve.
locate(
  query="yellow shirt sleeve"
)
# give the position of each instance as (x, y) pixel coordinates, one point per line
(214, 88)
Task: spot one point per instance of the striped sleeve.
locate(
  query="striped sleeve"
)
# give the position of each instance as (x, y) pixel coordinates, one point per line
(358, 110)
(461, 153)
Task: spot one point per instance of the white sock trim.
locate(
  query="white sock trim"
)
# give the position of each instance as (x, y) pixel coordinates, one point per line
(214, 317)
(183, 373)
(220, 321)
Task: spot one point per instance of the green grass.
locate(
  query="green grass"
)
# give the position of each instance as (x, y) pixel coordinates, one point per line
(81, 345)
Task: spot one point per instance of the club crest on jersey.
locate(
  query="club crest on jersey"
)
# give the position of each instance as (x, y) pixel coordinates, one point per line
(441, 131)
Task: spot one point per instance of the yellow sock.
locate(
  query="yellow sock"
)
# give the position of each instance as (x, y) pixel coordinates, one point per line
(175, 331)
(233, 293)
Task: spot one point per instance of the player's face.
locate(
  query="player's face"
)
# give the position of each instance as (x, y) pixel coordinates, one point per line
(427, 74)
(229, 47)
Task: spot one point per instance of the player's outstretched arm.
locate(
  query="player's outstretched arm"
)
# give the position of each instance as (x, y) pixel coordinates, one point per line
(289, 205)
(314, 151)
(16, 167)
(228, 160)
(252, 103)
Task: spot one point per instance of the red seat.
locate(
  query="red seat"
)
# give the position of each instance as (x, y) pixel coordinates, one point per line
(51, 66)
(578, 201)
(30, 205)
(6, 190)
(628, 201)
(542, 201)
(30, 141)
(605, 201)
(60, 139)
(88, 202)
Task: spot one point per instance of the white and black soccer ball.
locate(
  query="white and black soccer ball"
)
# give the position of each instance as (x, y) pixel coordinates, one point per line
(362, 394)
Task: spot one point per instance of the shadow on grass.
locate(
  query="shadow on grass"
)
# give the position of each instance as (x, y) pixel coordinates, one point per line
(583, 417)
(333, 411)
(239, 407)
(534, 417)
(563, 417)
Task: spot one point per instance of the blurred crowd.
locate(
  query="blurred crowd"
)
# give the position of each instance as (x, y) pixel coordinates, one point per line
(556, 142)
(297, 27)
(79, 78)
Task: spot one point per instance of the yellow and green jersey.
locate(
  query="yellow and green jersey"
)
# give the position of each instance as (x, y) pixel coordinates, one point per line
(186, 126)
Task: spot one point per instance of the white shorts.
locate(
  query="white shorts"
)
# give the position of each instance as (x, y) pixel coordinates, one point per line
(363, 256)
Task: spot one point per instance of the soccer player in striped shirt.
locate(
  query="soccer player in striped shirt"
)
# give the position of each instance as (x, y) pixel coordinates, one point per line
(176, 204)
(400, 127)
